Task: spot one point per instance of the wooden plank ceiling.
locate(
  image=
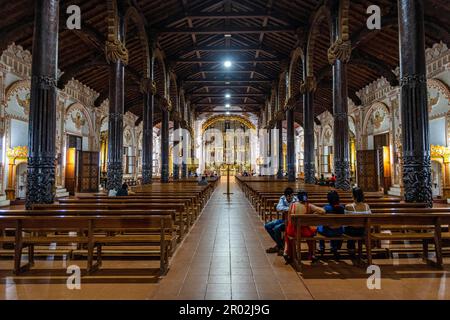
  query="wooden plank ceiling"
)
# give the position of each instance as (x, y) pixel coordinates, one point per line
(191, 35)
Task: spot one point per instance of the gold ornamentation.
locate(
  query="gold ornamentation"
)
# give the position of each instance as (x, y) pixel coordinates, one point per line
(17, 152)
(341, 50)
(24, 103)
(215, 119)
(78, 120)
(440, 152)
(115, 51)
(148, 85)
(166, 104)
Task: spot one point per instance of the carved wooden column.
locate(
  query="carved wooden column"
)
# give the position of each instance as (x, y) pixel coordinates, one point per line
(280, 149)
(175, 157)
(117, 57)
(148, 88)
(308, 87)
(165, 108)
(338, 55)
(42, 119)
(290, 143)
(414, 104)
(186, 147)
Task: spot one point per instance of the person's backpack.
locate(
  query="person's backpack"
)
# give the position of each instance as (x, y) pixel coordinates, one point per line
(112, 193)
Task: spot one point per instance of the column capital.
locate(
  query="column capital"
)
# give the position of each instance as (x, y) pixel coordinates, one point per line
(148, 86)
(310, 85)
(115, 51)
(340, 49)
(166, 104)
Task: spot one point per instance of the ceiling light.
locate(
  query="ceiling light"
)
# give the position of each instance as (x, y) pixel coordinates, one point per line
(227, 113)
(227, 35)
(227, 82)
(227, 64)
(228, 96)
(227, 105)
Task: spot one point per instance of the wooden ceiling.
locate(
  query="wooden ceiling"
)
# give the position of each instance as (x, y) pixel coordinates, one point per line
(191, 35)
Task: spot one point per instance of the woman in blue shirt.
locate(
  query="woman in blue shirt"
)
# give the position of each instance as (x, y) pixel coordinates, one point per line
(333, 207)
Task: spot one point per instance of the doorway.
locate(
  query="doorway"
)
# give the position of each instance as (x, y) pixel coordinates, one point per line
(21, 183)
(381, 145)
(436, 179)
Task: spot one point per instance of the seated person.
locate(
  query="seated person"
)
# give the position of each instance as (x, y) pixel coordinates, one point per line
(322, 181)
(332, 180)
(203, 182)
(123, 191)
(333, 207)
(276, 227)
(301, 207)
(357, 207)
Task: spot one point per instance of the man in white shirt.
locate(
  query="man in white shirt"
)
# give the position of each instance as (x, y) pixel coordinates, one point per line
(276, 227)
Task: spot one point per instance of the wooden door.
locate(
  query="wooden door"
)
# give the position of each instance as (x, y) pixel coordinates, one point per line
(89, 171)
(367, 170)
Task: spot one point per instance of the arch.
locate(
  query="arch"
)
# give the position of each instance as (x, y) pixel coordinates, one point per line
(173, 92)
(182, 102)
(272, 103)
(294, 84)
(15, 86)
(160, 75)
(327, 134)
(282, 96)
(218, 118)
(127, 129)
(376, 105)
(78, 106)
(440, 86)
(322, 13)
(133, 15)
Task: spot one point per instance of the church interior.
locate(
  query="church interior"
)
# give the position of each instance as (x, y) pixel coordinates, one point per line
(147, 148)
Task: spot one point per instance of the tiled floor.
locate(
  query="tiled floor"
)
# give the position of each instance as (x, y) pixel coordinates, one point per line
(224, 257)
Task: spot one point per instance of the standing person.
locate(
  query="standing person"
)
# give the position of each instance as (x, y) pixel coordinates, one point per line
(333, 207)
(276, 227)
(301, 207)
(357, 207)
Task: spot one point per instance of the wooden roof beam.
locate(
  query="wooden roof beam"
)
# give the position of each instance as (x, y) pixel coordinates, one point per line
(226, 30)
(217, 60)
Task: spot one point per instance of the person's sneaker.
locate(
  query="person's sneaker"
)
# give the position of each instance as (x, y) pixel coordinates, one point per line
(272, 250)
(280, 252)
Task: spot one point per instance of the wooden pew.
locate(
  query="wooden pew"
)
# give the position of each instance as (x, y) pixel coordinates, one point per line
(192, 201)
(27, 222)
(371, 223)
(124, 209)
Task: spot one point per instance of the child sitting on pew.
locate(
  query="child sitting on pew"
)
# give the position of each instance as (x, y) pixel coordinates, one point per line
(301, 207)
(333, 207)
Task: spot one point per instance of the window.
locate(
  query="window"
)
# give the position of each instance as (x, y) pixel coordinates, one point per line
(326, 160)
(129, 161)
